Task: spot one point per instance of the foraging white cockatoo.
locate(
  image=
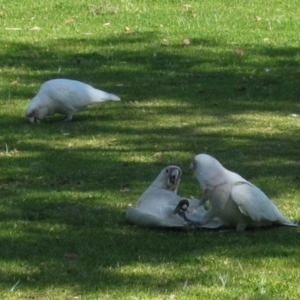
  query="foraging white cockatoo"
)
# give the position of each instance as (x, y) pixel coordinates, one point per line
(233, 199)
(156, 206)
(64, 96)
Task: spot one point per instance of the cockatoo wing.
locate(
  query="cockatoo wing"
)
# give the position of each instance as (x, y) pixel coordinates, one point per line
(142, 218)
(254, 203)
(198, 215)
(153, 199)
(73, 95)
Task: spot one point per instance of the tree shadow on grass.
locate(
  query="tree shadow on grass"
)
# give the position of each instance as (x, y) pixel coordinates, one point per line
(39, 230)
(89, 248)
(63, 165)
(193, 74)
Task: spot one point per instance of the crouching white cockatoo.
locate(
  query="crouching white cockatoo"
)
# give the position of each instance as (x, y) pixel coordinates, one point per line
(234, 200)
(156, 206)
(64, 96)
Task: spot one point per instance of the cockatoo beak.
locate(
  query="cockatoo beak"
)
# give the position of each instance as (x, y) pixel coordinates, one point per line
(32, 117)
(174, 179)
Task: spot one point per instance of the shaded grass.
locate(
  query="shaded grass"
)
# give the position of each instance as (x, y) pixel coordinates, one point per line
(64, 187)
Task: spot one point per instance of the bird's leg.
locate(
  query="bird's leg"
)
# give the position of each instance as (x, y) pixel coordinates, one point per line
(195, 204)
(205, 197)
(181, 209)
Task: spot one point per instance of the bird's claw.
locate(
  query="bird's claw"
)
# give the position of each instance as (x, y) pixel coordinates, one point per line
(181, 210)
(181, 207)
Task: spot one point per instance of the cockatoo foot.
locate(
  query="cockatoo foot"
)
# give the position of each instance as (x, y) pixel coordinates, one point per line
(181, 207)
(181, 210)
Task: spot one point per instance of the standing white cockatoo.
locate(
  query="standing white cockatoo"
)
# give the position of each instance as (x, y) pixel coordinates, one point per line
(64, 96)
(233, 199)
(156, 206)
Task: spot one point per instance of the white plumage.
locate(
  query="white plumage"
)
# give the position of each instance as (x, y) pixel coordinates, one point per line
(64, 96)
(156, 206)
(234, 200)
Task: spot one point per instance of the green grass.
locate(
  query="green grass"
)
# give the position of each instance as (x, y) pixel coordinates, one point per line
(64, 187)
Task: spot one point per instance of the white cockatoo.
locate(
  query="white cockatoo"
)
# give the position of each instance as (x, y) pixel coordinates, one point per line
(156, 206)
(233, 199)
(64, 96)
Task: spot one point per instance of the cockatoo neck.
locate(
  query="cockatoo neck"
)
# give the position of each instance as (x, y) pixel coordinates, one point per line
(159, 184)
(163, 184)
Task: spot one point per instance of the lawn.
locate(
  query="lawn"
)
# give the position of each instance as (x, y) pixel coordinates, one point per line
(220, 77)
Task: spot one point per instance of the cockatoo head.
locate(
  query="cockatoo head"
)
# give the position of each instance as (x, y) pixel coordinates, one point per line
(207, 170)
(34, 112)
(169, 178)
